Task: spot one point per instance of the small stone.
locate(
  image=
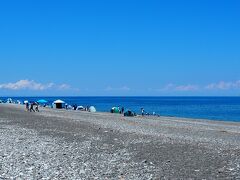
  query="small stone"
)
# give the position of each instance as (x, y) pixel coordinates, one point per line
(221, 170)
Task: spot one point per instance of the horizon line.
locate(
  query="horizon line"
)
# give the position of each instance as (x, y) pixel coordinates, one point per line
(5, 96)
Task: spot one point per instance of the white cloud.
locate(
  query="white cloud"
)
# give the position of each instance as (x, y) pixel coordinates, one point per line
(169, 86)
(32, 85)
(173, 87)
(188, 87)
(64, 87)
(222, 85)
(123, 88)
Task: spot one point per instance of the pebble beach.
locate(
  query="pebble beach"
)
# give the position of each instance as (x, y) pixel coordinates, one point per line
(61, 144)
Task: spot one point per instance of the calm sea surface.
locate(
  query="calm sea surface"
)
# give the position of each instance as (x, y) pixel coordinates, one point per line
(213, 108)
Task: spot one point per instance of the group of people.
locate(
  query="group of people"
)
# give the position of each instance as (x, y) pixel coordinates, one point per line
(143, 112)
(76, 107)
(121, 111)
(30, 107)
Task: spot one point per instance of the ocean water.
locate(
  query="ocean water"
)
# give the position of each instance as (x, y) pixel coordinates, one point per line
(212, 108)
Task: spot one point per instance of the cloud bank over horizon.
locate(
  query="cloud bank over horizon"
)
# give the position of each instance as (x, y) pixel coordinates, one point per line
(26, 84)
(185, 89)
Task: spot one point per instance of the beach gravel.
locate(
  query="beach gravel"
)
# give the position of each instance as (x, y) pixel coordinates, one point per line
(60, 144)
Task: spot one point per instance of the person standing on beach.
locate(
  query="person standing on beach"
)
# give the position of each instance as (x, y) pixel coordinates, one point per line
(31, 108)
(142, 111)
(122, 110)
(36, 109)
(27, 106)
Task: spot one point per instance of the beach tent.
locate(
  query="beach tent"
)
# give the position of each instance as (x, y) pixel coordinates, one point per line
(129, 113)
(80, 108)
(92, 109)
(115, 110)
(58, 104)
(69, 107)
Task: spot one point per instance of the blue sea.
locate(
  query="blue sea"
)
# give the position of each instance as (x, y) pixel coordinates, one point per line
(212, 108)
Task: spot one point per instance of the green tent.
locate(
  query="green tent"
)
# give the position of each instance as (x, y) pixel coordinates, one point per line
(129, 113)
(115, 110)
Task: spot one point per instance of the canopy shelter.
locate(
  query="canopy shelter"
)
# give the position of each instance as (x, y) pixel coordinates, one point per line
(58, 104)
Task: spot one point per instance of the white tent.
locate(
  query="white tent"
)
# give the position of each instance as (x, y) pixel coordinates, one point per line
(58, 104)
(92, 109)
(80, 108)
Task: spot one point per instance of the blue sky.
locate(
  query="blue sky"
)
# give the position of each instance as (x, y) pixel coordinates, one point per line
(122, 47)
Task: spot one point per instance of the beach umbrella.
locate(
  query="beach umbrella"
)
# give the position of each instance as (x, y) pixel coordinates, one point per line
(42, 101)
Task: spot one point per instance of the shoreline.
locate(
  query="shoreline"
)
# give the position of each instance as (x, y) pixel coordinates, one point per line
(139, 116)
(104, 145)
(215, 108)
